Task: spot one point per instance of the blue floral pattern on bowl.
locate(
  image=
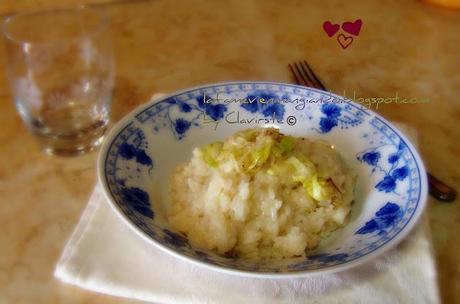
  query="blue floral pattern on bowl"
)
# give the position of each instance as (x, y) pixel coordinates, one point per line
(140, 153)
(265, 102)
(385, 218)
(332, 117)
(391, 166)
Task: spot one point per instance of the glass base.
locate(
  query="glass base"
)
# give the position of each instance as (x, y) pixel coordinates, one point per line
(73, 144)
(73, 150)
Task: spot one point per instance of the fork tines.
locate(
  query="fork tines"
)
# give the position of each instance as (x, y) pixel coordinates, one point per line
(304, 75)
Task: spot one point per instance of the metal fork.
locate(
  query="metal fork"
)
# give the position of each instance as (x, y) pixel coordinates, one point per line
(304, 75)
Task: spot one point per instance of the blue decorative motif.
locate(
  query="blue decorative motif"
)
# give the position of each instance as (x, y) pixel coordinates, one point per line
(312, 261)
(143, 158)
(392, 173)
(265, 102)
(371, 158)
(393, 158)
(215, 111)
(129, 162)
(329, 258)
(138, 199)
(127, 151)
(400, 173)
(183, 107)
(386, 217)
(387, 184)
(331, 110)
(179, 115)
(135, 150)
(334, 117)
(174, 239)
(326, 124)
(181, 126)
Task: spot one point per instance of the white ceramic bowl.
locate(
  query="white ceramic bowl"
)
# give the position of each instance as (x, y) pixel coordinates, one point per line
(139, 154)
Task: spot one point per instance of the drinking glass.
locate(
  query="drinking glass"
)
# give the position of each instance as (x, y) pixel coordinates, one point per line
(60, 69)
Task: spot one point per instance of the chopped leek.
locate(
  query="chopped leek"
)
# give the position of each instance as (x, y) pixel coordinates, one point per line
(287, 143)
(300, 170)
(254, 157)
(317, 188)
(260, 156)
(211, 152)
(268, 149)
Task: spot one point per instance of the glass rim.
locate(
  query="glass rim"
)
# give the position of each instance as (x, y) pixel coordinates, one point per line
(101, 25)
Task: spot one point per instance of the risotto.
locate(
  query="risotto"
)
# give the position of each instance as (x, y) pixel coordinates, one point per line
(261, 195)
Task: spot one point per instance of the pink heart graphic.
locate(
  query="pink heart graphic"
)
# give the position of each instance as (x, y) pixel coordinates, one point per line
(352, 27)
(344, 41)
(330, 28)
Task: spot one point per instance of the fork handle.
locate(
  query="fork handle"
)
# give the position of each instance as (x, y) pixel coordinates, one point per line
(439, 190)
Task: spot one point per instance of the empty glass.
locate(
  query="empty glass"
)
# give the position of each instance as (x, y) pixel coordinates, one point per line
(60, 69)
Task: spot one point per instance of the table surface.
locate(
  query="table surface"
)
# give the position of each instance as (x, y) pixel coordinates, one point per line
(405, 47)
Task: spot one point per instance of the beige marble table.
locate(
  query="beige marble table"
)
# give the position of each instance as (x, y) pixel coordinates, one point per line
(161, 46)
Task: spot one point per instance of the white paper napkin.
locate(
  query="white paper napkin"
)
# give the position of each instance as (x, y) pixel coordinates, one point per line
(105, 256)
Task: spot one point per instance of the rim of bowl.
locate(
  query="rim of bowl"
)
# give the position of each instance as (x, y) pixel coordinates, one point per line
(405, 230)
